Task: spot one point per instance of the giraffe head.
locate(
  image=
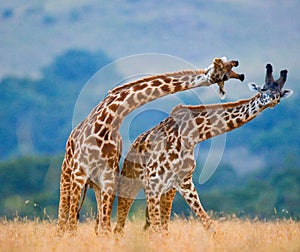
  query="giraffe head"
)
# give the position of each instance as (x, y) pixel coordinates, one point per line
(221, 71)
(272, 91)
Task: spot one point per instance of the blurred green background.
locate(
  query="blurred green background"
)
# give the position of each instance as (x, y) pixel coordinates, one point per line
(50, 49)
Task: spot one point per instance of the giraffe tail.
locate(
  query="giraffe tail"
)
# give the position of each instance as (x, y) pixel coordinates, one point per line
(82, 200)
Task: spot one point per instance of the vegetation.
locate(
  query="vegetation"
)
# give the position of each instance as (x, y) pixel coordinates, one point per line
(185, 235)
(32, 189)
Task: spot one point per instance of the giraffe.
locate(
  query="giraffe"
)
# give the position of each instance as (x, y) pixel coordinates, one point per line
(161, 160)
(94, 147)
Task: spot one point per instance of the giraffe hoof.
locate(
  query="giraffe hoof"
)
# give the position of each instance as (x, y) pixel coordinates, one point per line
(119, 231)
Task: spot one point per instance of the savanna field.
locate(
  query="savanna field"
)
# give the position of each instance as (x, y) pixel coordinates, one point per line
(185, 235)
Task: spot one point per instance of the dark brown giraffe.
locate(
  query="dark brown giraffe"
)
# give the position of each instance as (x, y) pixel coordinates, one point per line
(93, 148)
(161, 160)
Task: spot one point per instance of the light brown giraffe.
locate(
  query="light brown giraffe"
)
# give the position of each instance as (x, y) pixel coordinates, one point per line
(93, 148)
(161, 160)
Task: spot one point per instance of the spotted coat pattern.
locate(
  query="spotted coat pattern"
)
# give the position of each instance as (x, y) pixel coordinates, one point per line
(161, 160)
(94, 146)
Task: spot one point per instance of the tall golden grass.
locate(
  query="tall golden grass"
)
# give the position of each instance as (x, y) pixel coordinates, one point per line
(185, 235)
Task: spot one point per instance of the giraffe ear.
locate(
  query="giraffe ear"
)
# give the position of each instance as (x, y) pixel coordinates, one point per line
(253, 87)
(218, 63)
(222, 94)
(221, 91)
(287, 93)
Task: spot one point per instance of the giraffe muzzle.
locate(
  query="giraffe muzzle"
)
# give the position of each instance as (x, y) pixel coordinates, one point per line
(241, 77)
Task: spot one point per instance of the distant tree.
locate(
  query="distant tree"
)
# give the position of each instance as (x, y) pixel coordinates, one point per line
(37, 114)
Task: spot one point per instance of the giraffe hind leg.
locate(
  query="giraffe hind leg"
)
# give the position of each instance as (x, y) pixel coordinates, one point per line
(106, 198)
(128, 190)
(165, 210)
(166, 207)
(190, 195)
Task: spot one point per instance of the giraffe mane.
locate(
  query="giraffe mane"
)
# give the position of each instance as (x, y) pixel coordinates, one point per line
(153, 77)
(209, 107)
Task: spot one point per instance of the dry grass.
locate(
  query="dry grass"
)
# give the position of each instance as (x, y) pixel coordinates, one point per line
(185, 235)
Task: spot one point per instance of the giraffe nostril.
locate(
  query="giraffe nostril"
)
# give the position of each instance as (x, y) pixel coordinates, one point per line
(241, 77)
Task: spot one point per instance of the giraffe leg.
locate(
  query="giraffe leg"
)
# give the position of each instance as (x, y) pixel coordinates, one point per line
(124, 205)
(128, 190)
(97, 191)
(166, 207)
(107, 196)
(189, 193)
(104, 213)
(64, 198)
(165, 210)
(78, 180)
(153, 204)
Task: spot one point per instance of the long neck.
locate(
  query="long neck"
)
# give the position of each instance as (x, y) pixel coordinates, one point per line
(199, 123)
(124, 99)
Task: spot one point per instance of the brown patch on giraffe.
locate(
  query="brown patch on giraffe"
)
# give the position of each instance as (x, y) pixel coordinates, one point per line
(97, 127)
(173, 156)
(140, 96)
(109, 119)
(199, 120)
(239, 122)
(234, 115)
(161, 158)
(168, 145)
(99, 142)
(161, 171)
(104, 132)
(102, 116)
(247, 115)
(130, 100)
(166, 79)
(113, 107)
(148, 91)
(156, 92)
(156, 83)
(178, 87)
(208, 135)
(69, 154)
(230, 125)
(220, 125)
(122, 95)
(139, 87)
(178, 145)
(167, 165)
(196, 204)
(165, 88)
(188, 163)
(185, 78)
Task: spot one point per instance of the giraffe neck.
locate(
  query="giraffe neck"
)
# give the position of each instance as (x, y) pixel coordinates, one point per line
(199, 123)
(124, 99)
